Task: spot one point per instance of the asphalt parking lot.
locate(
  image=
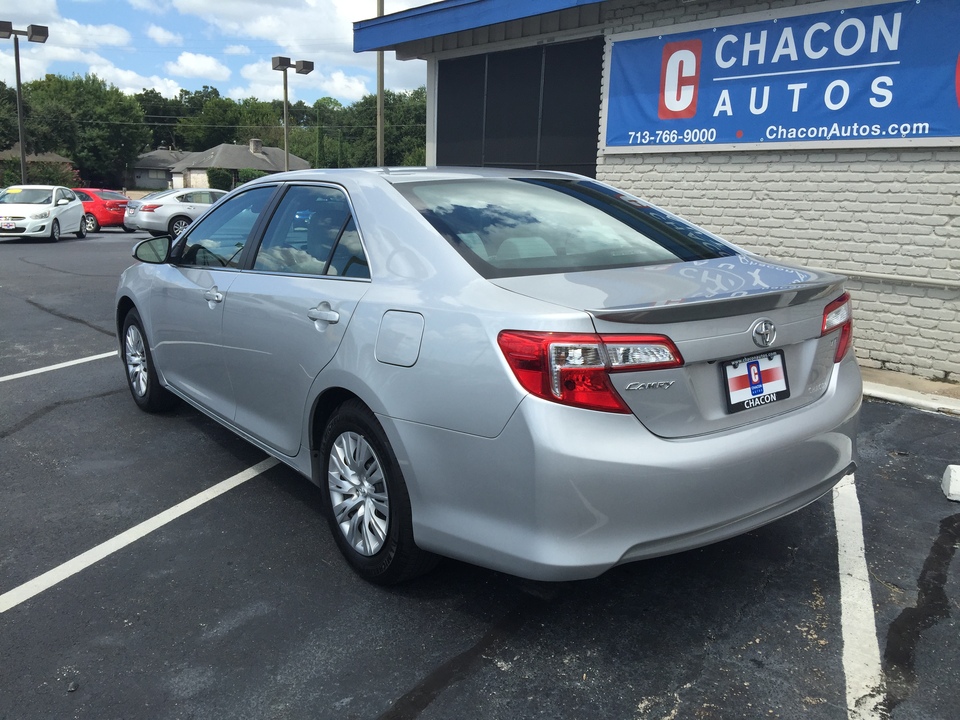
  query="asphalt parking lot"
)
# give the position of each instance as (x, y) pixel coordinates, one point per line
(240, 606)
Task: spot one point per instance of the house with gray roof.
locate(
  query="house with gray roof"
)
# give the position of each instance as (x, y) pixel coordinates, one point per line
(191, 171)
(153, 170)
(164, 168)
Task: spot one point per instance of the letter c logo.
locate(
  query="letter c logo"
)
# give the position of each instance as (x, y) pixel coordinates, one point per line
(680, 80)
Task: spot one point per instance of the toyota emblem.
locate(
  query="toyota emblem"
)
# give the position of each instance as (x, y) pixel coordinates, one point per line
(764, 333)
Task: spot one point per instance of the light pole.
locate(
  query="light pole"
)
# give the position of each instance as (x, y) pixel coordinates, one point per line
(33, 33)
(303, 67)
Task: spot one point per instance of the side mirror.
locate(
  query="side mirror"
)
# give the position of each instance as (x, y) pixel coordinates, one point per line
(62, 201)
(155, 251)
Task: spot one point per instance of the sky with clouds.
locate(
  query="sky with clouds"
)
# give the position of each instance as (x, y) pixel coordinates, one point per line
(227, 44)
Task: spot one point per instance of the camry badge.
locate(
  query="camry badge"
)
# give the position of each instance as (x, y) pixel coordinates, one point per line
(764, 333)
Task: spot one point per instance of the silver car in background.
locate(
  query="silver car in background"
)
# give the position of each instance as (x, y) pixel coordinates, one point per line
(530, 371)
(168, 212)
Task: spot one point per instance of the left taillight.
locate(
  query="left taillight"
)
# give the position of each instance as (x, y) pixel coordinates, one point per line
(573, 369)
(838, 316)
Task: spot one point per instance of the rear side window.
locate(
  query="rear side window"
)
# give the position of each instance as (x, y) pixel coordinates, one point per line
(526, 226)
(312, 233)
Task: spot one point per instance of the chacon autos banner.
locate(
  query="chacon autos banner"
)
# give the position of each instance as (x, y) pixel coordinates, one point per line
(884, 75)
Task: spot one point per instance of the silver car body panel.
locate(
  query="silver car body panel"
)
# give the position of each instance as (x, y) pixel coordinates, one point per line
(496, 476)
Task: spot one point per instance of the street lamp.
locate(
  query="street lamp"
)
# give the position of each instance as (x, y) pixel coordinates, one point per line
(33, 33)
(303, 67)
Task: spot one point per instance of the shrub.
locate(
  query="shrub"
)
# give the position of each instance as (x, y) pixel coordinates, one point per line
(248, 174)
(219, 179)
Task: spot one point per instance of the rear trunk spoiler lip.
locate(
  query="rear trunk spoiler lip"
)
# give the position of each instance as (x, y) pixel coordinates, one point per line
(713, 308)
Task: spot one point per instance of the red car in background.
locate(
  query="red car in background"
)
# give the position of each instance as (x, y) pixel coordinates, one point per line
(103, 208)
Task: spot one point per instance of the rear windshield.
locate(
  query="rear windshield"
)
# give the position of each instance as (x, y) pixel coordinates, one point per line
(527, 226)
(111, 195)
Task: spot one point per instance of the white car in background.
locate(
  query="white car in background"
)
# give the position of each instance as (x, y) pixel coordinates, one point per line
(46, 211)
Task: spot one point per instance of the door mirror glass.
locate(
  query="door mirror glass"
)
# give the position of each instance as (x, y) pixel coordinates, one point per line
(155, 250)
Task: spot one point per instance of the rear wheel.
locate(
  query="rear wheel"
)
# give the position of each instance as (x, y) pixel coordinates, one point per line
(127, 229)
(141, 375)
(81, 232)
(91, 222)
(366, 499)
(178, 225)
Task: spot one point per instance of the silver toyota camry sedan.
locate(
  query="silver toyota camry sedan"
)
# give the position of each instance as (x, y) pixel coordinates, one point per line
(530, 371)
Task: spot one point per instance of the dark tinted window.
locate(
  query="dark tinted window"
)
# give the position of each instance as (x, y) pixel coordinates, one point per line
(110, 195)
(348, 258)
(506, 227)
(303, 231)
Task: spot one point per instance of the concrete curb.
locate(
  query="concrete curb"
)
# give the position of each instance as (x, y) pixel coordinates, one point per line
(919, 400)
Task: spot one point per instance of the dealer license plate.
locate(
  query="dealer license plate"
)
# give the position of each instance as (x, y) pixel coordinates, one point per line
(7, 225)
(755, 381)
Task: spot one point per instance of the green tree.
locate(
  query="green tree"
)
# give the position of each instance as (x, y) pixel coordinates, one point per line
(262, 120)
(217, 123)
(9, 131)
(94, 124)
(160, 114)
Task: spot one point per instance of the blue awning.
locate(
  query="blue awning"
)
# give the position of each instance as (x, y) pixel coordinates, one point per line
(448, 16)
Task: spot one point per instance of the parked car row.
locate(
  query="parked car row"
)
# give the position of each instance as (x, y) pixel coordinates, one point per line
(49, 211)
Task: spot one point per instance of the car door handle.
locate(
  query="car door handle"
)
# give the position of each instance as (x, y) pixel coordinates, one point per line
(213, 295)
(324, 313)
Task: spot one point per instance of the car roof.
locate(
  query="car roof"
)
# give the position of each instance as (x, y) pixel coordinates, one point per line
(398, 175)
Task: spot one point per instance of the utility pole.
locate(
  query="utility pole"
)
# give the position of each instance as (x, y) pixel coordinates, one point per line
(381, 154)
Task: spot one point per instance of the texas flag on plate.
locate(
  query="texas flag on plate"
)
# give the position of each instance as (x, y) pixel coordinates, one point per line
(756, 380)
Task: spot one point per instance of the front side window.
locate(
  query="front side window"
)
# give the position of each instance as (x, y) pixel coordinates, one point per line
(84, 197)
(218, 239)
(526, 226)
(312, 233)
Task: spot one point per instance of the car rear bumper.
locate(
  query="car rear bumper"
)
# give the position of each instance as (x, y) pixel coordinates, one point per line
(566, 494)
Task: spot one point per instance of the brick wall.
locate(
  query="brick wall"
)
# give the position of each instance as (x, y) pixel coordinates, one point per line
(894, 213)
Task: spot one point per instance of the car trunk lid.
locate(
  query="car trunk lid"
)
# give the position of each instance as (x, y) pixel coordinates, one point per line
(719, 313)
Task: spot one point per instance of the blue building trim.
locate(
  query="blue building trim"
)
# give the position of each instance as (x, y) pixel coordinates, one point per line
(450, 16)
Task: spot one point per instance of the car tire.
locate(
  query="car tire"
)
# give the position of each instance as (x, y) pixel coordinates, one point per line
(81, 232)
(128, 229)
(366, 499)
(55, 231)
(141, 374)
(91, 222)
(178, 225)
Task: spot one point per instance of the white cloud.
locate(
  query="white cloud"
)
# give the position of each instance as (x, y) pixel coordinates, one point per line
(152, 6)
(131, 83)
(162, 36)
(236, 50)
(193, 65)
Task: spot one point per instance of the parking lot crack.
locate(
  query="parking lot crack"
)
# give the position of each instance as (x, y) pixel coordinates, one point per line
(419, 698)
(71, 318)
(34, 416)
(932, 606)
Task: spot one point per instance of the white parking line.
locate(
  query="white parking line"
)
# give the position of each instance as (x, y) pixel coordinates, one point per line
(58, 366)
(81, 562)
(861, 650)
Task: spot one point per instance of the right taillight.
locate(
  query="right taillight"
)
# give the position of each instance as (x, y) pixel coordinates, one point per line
(573, 369)
(838, 315)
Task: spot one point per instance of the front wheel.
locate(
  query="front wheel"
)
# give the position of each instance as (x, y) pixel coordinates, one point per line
(91, 222)
(55, 231)
(366, 499)
(141, 375)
